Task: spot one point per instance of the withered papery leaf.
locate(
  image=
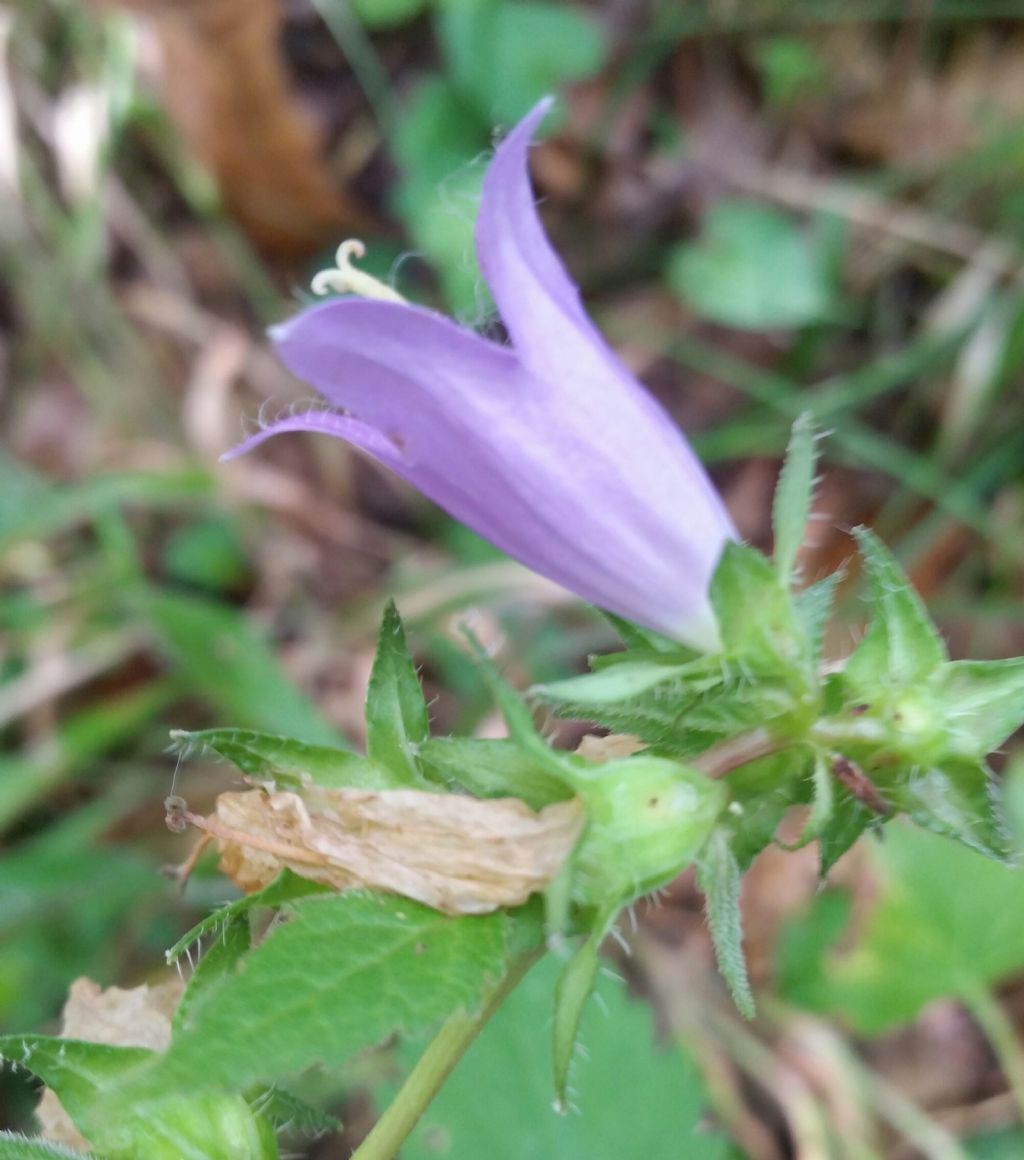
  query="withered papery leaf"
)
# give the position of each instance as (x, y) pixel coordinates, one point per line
(611, 748)
(458, 854)
(137, 1017)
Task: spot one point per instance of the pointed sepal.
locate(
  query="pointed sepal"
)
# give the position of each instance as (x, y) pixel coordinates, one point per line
(848, 821)
(718, 875)
(575, 987)
(902, 646)
(753, 608)
(960, 800)
(397, 721)
(791, 508)
(985, 702)
(813, 606)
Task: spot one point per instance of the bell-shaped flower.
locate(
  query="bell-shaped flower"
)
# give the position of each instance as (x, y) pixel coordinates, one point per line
(548, 447)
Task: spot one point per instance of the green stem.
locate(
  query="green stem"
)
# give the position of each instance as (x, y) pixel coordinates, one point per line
(840, 735)
(1001, 1035)
(434, 1066)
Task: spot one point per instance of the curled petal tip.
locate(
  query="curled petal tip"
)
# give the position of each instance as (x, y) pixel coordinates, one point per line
(537, 114)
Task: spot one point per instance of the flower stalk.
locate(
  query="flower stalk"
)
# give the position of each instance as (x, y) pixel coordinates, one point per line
(434, 1066)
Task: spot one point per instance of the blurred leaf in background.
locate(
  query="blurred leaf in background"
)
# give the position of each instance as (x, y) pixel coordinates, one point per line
(73, 904)
(632, 1097)
(500, 57)
(754, 268)
(503, 56)
(947, 923)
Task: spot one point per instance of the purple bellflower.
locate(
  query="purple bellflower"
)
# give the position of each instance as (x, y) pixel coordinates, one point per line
(549, 447)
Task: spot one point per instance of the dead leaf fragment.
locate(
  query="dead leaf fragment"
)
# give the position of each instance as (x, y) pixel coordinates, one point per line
(457, 854)
(613, 747)
(227, 89)
(120, 1017)
(914, 113)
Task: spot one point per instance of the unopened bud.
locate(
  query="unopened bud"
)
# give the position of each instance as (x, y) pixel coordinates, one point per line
(647, 819)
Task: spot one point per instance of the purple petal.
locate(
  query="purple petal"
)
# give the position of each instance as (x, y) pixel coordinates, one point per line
(367, 439)
(592, 506)
(549, 449)
(516, 257)
(537, 300)
(541, 309)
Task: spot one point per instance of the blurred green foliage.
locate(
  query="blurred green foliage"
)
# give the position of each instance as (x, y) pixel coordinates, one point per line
(630, 1097)
(755, 269)
(500, 57)
(946, 925)
(140, 574)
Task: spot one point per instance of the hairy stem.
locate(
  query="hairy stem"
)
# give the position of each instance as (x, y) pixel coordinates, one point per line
(434, 1066)
(723, 758)
(729, 755)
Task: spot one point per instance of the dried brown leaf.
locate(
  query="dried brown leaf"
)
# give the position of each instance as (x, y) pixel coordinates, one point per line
(226, 87)
(904, 111)
(457, 854)
(132, 1017)
(610, 748)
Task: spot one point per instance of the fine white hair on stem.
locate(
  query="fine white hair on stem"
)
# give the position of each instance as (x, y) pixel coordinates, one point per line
(620, 939)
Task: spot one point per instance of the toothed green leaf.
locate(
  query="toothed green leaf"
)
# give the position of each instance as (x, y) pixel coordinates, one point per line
(753, 608)
(87, 1078)
(77, 1071)
(286, 887)
(220, 958)
(631, 1096)
(285, 761)
(615, 685)
(947, 921)
(683, 709)
(491, 767)
(340, 975)
(986, 701)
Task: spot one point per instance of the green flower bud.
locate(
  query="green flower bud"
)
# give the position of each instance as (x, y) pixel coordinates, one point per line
(647, 819)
